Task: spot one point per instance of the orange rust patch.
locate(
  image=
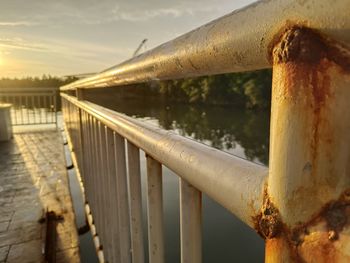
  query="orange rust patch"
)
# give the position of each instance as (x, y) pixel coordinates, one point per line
(309, 241)
(268, 222)
(307, 57)
(302, 44)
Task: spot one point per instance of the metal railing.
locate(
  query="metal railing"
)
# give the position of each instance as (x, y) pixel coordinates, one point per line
(300, 205)
(31, 105)
(97, 136)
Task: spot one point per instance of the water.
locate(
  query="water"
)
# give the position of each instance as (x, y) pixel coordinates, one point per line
(240, 132)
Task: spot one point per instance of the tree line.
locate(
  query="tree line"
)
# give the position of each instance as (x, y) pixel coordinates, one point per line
(250, 90)
(44, 81)
(247, 89)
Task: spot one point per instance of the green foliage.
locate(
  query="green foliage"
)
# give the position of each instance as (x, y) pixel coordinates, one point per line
(249, 89)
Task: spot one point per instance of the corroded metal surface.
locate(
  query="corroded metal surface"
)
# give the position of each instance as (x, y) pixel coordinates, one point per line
(305, 216)
(236, 42)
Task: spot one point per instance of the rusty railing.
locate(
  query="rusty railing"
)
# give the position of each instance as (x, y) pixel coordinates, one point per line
(300, 205)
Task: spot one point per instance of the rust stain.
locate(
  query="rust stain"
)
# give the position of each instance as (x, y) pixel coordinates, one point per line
(295, 42)
(312, 241)
(307, 57)
(308, 60)
(268, 222)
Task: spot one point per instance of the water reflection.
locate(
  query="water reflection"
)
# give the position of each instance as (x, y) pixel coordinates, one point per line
(241, 132)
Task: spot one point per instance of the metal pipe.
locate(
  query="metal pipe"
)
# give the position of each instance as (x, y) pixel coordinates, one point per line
(27, 107)
(52, 108)
(123, 201)
(21, 109)
(16, 122)
(155, 211)
(98, 215)
(55, 105)
(103, 189)
(46, 108)
(239, 41)
(190, 223)
(93, 192)
(305, 215)
(40, 109)
(235, 183)
(113, 197)
(137, 246)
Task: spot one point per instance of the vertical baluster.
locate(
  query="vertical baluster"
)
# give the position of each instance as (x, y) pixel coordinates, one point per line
(21, 108)
(46, 109)
(137, 246)
(112, 200)
(190, 223)
(124, 222)
(155, 211)
(40, 108)
(42, 105)
(34, 109)
(31, 109)
(15, 106)
(55, 105)
(93, 166)
(89, 164)
(103, 187)
(51, 108)
(27, 110)
(96, 176)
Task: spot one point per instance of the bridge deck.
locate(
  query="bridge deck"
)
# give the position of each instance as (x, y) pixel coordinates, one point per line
(33, 178)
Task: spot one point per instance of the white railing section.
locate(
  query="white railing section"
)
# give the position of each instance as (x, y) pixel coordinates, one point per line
(31, 105)
(98, 138)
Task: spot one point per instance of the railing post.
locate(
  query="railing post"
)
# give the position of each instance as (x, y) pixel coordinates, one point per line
(80, 96)
(190, 223)
(305, 216)
(155, 211)
(137, 246)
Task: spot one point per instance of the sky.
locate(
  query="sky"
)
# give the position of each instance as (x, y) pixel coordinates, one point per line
(66, 37)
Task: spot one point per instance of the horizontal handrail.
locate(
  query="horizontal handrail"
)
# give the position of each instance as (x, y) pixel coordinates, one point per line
(233, 182)
(239, 41)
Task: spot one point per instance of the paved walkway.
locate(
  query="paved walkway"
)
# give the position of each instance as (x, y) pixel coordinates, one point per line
(33, 178)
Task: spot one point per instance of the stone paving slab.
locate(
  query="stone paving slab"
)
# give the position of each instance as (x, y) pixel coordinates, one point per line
(33, 178)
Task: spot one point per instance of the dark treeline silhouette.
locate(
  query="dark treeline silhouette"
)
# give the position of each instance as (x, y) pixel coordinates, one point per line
(250, 90)
(46, 81)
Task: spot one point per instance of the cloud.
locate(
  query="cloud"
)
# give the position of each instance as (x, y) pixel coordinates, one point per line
(19, 43)
(17, 23)
(144, 15)
(77, 49)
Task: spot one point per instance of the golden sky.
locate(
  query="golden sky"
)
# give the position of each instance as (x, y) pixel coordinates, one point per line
(65, 37)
